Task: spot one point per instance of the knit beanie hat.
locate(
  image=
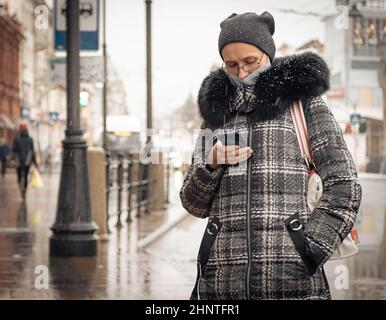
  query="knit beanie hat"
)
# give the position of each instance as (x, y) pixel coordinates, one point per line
(250, 28)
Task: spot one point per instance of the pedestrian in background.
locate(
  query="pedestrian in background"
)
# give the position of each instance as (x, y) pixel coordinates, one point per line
(262, 241)
(24, 152)
(4, 153)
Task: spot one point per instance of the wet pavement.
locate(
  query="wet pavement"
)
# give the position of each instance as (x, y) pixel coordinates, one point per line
(165, 269)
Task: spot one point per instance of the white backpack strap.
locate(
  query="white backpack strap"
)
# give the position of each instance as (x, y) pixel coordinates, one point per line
(301, 131)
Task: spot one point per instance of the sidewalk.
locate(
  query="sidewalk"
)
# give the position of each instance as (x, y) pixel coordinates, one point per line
(163, 269)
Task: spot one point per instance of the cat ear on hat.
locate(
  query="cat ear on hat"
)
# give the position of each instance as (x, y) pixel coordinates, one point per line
(231, 16)
(269, 20)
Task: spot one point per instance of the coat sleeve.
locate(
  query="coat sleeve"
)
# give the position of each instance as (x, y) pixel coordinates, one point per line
(200, 185)
(333, 218)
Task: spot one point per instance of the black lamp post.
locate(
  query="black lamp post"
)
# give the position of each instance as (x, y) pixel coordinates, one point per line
(73, 230)
(104, 137)
(149, 93)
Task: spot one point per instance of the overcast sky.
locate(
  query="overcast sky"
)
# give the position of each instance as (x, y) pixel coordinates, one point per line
(185, 35)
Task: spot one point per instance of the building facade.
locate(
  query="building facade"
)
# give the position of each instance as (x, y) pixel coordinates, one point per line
(25, 62)
(10, 91)
(353, 50)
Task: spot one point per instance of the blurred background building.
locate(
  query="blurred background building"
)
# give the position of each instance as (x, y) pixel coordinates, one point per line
(32, 81)
(28, 94)
(10, 76)
(354, 53)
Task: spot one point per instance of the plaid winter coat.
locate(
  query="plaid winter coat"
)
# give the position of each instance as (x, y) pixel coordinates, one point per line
(262, 241)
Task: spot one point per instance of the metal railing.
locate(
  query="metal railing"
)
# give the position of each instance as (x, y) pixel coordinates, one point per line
(129, 179)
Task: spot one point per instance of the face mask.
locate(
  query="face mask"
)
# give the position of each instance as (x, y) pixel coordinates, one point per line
(250, 79)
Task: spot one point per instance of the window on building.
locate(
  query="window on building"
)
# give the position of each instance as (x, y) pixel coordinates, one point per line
(383, 26)
(375, 4)
(367, 35)
(26, 94)
(365, 97)
(358, 39)
(372, 33)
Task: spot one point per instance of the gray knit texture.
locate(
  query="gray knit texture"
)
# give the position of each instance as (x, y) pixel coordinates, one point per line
(249, 28)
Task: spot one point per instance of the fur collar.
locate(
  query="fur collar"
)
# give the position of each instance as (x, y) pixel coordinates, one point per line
(289, 78)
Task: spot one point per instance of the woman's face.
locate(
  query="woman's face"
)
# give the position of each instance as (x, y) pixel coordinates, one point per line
(241, 59)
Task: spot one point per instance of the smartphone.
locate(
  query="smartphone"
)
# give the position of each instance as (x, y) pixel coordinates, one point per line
(232, 138)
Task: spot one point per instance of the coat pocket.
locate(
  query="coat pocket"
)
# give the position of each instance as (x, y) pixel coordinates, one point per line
(295, 228)
(211, 232)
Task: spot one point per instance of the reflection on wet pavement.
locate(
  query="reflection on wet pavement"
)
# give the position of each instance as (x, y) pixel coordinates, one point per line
(163, 270)
(119, 270)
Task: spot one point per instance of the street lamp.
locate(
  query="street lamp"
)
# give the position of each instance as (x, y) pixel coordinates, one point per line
(354, 12)
(104, 134)
(149, 117)
(73, 230)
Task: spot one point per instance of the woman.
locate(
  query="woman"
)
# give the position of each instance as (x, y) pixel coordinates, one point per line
(23, 149)
(247, 251)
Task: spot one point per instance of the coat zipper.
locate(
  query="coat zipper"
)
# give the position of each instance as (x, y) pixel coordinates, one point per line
(198, 282)
(249, 169)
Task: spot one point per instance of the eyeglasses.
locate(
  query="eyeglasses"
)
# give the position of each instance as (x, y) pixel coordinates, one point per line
(248, 67)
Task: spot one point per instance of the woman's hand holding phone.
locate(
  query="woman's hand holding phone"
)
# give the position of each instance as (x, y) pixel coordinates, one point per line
(228, 155)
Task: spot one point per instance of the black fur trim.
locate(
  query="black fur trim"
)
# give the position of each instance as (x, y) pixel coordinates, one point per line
(289, 78)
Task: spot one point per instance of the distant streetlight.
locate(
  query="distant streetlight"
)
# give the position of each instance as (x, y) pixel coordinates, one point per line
(354, 12)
